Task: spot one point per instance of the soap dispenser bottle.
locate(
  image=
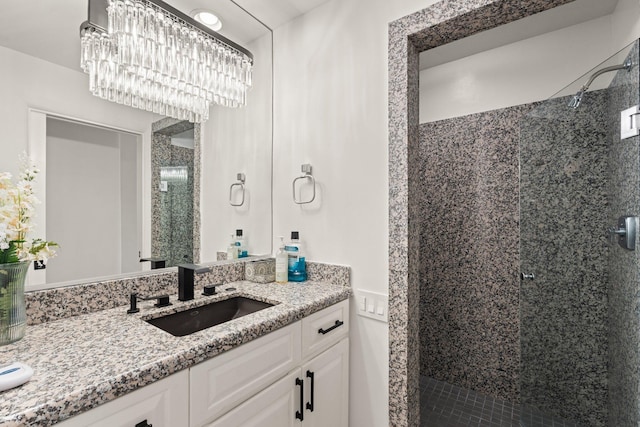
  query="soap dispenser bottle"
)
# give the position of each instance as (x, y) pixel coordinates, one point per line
(232, 250)
(282, 263)
(297, 270)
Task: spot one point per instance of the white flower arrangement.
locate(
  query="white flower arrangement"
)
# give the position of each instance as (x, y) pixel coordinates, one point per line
(16, 212)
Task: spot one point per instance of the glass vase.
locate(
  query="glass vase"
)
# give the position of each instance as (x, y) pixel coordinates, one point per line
(13, 318)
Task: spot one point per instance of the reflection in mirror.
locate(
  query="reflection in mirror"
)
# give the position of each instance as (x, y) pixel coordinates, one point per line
(93, 219)
(41, 83)
(175, 200)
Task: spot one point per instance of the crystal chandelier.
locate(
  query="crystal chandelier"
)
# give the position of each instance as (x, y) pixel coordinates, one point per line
(148, 55)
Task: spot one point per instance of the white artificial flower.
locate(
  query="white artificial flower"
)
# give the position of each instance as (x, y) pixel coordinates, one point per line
(16, 213)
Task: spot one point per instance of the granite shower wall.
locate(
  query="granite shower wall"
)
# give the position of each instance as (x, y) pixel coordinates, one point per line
(469, 251)
(624, 276)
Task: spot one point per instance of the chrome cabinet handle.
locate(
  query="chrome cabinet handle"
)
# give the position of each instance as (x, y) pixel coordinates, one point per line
(527, 276)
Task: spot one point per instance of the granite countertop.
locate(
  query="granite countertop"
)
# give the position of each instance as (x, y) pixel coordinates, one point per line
(83, 361)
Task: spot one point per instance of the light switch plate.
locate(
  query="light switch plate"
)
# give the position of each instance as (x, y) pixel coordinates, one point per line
(629, 122)
(373, 305)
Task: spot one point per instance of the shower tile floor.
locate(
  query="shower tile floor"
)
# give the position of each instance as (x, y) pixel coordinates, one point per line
(446, 405)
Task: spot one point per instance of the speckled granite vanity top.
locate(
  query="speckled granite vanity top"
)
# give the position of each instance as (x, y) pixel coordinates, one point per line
(83, 361)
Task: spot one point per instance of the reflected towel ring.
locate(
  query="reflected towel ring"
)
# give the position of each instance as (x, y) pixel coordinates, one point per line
(306, 169)
(240, 183)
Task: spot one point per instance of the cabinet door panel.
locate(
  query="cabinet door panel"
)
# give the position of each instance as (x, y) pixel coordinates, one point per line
(219, 384)
(164, 403)
(275, 406)
(330, 387)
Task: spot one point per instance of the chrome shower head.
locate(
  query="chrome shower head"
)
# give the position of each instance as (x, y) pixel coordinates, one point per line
(577, 98)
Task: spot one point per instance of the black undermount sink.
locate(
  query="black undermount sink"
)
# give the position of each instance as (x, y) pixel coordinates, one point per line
(199, 318)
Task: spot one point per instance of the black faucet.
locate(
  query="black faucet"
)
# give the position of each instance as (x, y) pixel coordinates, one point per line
(186, 273)
(162, 301)
(155, 262)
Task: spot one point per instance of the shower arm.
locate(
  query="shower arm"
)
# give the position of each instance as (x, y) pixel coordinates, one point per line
(626, 66)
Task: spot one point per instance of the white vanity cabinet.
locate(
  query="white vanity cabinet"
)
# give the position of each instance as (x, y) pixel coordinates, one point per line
(164, 403)
(315, 393)
(296, 375)
(296, 399)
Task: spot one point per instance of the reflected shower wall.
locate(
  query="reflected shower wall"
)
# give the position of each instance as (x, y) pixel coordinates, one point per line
(173, 192)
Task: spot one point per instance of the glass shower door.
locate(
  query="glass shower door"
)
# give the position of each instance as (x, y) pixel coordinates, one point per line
(578, 328)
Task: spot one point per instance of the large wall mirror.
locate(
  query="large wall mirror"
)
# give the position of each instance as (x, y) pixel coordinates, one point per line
(118, 184)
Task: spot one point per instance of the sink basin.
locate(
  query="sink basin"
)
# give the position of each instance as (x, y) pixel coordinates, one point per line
(199, 318)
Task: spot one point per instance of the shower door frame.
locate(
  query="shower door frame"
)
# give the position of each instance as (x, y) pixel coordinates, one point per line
(426, 29)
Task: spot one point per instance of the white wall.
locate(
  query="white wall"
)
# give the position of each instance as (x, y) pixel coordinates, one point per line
(625, 26)
(331, 111)
(526, 71)
(530, 70)
(233, 141)
(330, 95)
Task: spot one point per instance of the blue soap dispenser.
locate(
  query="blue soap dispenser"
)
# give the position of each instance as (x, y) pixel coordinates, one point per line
(297, 266)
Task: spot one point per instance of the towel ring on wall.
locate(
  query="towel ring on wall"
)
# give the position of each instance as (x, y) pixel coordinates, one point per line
(240, 183)
(306, 169)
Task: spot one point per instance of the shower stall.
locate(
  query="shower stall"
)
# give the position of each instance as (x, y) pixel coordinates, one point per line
(529, 299)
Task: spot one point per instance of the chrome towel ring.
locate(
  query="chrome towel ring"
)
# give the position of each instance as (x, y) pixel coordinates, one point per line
(240, 183)
(306, 170)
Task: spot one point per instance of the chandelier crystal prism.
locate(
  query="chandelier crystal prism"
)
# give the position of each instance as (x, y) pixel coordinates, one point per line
(148, 55)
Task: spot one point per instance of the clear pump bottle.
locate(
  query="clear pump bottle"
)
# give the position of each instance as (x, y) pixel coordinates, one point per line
(232, 249)
(282, 263)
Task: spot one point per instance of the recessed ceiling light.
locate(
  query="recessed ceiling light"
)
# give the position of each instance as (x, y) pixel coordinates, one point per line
(208, 18)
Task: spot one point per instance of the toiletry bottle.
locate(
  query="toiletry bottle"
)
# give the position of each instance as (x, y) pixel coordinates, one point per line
(232, 250)
(282, 263)
(241, 243)
(297, 267)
